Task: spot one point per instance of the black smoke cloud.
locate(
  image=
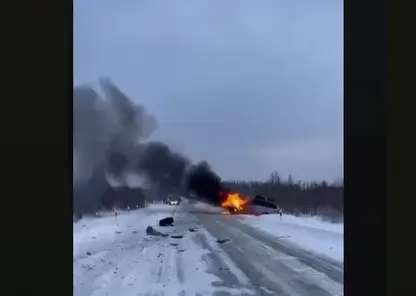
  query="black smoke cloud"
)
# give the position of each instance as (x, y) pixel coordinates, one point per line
(204, 182)
(162, 166)
(110, 138)
(107, 131)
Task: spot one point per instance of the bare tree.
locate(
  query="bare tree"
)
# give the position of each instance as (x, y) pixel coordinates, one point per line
(274, 177)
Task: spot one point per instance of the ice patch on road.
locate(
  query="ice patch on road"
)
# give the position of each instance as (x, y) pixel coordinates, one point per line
(308, 233)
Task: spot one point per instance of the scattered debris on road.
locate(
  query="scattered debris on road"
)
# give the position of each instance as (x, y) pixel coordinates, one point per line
(88, 253)
(192, 229)
(285, 236)
(221, 241)
(176, 236)
(151, 231)
(168, 221)
(174, 245)
(88, 266)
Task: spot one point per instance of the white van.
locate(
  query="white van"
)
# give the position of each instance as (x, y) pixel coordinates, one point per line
(260, 205)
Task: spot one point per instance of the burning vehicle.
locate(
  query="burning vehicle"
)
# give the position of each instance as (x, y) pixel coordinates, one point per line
(204, 184)
(235, 203)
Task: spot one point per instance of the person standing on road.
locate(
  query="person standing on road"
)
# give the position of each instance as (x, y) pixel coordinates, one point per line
(280, 213)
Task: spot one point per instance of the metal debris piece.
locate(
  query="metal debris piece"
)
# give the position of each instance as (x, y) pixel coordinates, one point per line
(221, 241)
(168, 221)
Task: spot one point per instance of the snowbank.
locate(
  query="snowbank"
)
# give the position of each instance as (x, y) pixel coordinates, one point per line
(307, 232)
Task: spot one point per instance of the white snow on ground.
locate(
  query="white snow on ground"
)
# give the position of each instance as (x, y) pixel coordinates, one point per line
(207, 208)
(114, 256)
(313, 222)
(183, 270)
(90, 233)
(307, 232)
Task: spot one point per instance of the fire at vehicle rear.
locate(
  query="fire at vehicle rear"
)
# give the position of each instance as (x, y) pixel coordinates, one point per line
(233, 203)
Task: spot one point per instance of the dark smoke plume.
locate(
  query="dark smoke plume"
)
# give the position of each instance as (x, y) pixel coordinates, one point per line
(107, 131)
(110, 139)
(204, 182)
(163, 166)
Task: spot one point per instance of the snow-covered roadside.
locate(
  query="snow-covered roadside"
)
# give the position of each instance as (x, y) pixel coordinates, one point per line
(308, 233)
(133, 263)
(313, 222)
(91, 233)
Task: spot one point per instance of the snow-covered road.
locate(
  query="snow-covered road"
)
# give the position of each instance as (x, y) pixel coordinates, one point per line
(114, 256)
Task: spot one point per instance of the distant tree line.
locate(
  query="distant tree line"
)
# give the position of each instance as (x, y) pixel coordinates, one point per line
(108, 198)
(294, 197)
(297, 197)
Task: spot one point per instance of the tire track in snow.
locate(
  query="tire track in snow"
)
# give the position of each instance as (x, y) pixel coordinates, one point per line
(268, 267)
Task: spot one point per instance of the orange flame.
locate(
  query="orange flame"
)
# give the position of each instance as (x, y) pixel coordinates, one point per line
(234, 201)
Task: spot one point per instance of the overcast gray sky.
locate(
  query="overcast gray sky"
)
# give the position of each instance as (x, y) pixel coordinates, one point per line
(250, 86)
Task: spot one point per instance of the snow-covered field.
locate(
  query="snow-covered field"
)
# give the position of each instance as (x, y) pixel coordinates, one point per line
(310, 233)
